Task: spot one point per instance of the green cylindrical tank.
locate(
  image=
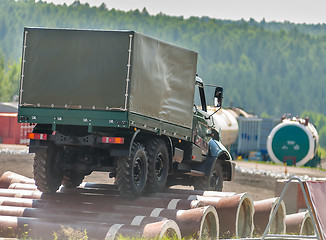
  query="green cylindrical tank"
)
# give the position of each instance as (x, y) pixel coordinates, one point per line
(294, 141)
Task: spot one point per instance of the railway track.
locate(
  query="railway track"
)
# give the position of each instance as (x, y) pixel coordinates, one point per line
(98, 211)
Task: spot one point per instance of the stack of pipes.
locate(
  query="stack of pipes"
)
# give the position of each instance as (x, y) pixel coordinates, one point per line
(99, 211)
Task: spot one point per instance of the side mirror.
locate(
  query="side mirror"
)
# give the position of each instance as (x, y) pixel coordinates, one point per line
(218, 97)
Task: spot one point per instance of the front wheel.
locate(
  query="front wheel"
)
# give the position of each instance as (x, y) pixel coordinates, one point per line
(47, 172)
(132, 172)
(213, 182)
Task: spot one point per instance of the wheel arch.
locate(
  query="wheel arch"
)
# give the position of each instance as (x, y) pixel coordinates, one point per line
(217, 152)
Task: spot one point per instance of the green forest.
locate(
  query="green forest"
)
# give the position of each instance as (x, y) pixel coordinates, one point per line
(266, 68)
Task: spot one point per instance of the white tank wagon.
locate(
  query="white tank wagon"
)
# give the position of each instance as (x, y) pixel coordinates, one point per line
(226, 123)
(294, 141)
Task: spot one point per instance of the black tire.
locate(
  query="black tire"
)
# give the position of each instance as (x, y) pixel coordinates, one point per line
(213, 182)
(72, 179)
(132, 172)
(47, 173)
(158, 165)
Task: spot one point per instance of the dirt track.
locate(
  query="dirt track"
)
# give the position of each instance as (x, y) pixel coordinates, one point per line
(23, 164)
(258, 186)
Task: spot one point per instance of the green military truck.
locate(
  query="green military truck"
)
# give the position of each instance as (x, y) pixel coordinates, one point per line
(119, 102)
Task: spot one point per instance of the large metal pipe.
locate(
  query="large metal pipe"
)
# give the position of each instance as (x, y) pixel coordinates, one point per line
(80, 190)
(167, 191)
(299, 224)
(202, 222)
(17, 202)
(237, 214)
(200, 192)
(263, 213)
(140, 201)
(17, 193)
(77, 215)
(23, 227)
(23, 186)
(9, 177)
(77, 197)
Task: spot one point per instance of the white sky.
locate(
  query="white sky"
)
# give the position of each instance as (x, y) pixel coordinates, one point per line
(297, 11)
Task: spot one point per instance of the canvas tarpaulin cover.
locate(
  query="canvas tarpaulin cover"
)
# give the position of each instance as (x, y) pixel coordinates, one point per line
(108, 70)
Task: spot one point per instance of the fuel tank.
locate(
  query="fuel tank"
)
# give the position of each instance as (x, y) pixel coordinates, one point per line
(294, 141)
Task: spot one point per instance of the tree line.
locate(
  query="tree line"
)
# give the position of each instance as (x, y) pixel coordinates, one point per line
(267, 68)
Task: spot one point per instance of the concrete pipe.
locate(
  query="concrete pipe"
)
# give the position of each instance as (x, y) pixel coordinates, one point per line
(201, 223)
(9, 177)
(81, 216)
(156, 230)
(8, 227)
(12, 211)
(17, 193)
(78, 190)
(263, 213)
(299, 224)
(199, 192)
(23, 227)
(117, 200)
(237, 214)
(16, 202)
(44, 228)
(23, 186)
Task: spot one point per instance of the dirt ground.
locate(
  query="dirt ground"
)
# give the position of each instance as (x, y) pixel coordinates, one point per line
(258, 186)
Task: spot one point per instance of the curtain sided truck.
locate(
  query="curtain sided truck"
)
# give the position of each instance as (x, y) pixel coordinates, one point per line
(118, 102)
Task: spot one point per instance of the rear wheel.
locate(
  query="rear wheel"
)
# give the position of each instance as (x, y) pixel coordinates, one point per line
(132, 172)
(47, 173)
(213, 182)
(158, 165)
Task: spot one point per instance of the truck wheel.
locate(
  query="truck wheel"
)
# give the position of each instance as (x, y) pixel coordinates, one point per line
(72, 179)
(47, 175)
(213, 182)
(158, 165)
(132, 172)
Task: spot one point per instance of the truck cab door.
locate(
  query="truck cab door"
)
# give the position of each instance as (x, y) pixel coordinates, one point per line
(201, 132)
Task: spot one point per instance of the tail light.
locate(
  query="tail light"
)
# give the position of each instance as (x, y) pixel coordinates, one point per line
(113, 140)
(37, 136)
